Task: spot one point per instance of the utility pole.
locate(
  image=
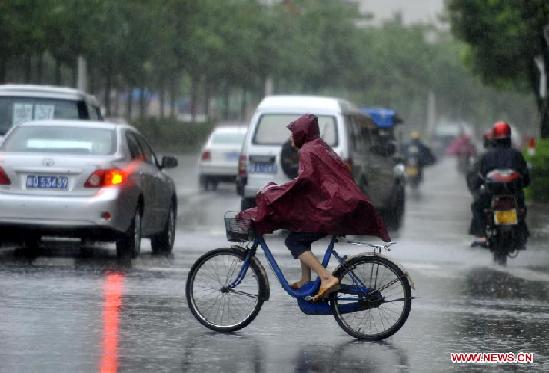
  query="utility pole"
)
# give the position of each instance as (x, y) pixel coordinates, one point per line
(82, 74)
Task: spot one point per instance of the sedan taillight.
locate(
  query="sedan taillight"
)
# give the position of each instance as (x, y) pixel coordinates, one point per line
(242, 165)
(4, 179)
(206, 155)
(105, 178)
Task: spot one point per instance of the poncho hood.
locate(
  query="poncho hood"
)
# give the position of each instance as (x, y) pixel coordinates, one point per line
(304, 129)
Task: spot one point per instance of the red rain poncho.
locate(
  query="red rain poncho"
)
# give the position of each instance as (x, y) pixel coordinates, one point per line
(323, 198)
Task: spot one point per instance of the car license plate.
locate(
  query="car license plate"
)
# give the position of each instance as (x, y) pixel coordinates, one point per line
(506, 217)
(47, 182)
(232, 156)
(263, 168)
(411, 171)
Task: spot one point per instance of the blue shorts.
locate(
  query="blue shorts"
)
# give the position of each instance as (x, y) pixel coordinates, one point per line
(299, 242)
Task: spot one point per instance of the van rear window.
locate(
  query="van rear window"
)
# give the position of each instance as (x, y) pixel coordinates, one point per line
(15, 110)
(271, 129)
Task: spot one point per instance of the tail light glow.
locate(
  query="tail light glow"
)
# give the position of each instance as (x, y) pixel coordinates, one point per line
(105, 178)
(4, 179)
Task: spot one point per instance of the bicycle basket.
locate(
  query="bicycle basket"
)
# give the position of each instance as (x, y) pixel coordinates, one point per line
(238, 230)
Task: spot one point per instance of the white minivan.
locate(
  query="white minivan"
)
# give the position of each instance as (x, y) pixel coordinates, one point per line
(351, 134)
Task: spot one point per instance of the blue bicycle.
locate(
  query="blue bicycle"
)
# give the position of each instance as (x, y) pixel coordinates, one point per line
(226, 287)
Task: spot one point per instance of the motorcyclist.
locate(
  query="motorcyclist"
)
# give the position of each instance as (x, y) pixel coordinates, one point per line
(415, 147)
(500, 155)
(463, 148)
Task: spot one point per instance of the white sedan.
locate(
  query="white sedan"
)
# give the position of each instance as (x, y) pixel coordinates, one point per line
(84, 179)
(219, 157)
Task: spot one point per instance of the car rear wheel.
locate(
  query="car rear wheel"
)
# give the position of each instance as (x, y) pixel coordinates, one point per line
(163, 242)
(129, 246)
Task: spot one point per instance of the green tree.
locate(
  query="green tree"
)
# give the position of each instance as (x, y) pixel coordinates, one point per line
(504, 37)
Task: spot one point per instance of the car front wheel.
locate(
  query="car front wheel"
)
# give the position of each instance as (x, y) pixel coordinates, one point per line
(129, 246)
(163, 242)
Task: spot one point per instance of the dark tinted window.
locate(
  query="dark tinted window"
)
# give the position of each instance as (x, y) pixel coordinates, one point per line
(133, 146)
(148, 153)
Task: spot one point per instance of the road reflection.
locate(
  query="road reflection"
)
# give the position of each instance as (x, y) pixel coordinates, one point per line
(112, 302)
(214, 352)
(352, 356)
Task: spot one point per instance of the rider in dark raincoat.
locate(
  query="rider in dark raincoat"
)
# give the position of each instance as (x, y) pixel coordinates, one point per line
(323, 199)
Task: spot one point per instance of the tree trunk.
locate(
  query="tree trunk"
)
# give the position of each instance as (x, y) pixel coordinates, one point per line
(116, 103)
(108, 88)
(226, 103)
(40, 68)
(173, 98)
(243, 104)
(162, 98)
(2, 70)
(544, 127)
(28, 68)
(57, 72)
(207, 99)
(129, 104)
(194, 94)
(142, 103)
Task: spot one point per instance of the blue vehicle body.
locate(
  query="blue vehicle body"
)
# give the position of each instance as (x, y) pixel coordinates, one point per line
(383, 117)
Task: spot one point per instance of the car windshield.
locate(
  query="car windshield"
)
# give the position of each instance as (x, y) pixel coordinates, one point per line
(15, 110)
(61, 139)
(228, 138)
(271, 129)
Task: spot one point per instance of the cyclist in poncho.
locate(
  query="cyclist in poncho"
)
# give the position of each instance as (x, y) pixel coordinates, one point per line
(323, 199)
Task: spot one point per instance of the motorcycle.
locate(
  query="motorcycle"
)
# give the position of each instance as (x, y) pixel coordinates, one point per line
(412, 167)
(506, 231)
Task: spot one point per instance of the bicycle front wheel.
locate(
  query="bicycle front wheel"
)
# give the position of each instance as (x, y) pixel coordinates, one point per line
(374, 299)
(213, 302)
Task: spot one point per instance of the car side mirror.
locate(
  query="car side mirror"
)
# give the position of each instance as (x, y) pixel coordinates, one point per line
(168, 161)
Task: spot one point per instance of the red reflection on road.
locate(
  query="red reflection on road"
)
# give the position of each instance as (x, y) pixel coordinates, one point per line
(112, 294)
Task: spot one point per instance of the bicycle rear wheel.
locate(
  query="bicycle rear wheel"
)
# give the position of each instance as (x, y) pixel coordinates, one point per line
(374, 299)
(211, 300)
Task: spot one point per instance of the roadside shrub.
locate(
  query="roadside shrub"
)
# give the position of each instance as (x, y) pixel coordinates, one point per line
(170, 135)
(539, 172)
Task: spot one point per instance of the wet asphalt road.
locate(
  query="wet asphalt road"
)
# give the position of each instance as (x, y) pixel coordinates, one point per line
(79, 310)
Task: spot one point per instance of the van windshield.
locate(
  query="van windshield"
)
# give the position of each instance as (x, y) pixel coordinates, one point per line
(15, 110)
(271, 129)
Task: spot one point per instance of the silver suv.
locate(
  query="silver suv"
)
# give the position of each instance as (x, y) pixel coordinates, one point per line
(351, 134)
(23, 103)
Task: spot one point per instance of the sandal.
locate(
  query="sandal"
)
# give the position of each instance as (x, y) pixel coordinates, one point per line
(324, 292)
(294, 286)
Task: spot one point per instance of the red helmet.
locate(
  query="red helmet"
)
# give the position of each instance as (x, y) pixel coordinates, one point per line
(501, 130)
